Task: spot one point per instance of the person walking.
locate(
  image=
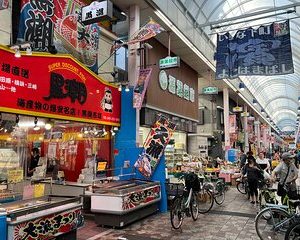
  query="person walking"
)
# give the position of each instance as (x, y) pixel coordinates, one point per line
(288, 174)
(253, 173)
(263, 162)
(243, 159)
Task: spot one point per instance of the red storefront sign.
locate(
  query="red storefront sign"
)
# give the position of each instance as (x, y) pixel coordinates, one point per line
(56, 86)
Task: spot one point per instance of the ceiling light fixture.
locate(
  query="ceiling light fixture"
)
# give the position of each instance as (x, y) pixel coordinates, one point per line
(17, 120)
(120, 88)
(48, 125)
(127, 88)
(242, 86)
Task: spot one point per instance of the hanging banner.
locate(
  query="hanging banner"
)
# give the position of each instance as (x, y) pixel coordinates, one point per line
(158, 138)
(56, 86)
(232, 123)
(58, 23)
(149, 30)
(262, 51)
(141, 87)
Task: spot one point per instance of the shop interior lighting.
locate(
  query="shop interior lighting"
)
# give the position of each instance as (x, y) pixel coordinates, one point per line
(48, 125)
(36, 127)
(242, 86)
(17, 53)
(29, 51)
(116, 128)
(120, 88)
(127, 88)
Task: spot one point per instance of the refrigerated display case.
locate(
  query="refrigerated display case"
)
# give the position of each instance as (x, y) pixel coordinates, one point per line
(119, 203)
(43, 218)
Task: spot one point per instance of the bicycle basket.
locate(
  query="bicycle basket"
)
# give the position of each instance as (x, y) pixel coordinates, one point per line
(174, 189)
(192, 181)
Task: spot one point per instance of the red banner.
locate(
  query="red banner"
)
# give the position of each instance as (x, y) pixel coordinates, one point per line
(141, 87)
(56, 87)
(232, 123)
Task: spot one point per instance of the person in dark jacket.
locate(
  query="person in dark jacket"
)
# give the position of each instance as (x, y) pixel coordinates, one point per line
(253, 173)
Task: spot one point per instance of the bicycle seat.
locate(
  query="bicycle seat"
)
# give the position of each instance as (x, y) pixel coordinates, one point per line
(295, 202)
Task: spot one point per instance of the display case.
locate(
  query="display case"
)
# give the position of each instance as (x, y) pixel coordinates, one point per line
(121, 202)
(8, 159)
(43, 218)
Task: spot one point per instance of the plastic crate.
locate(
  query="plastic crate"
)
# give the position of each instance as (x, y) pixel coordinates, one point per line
(174, 189)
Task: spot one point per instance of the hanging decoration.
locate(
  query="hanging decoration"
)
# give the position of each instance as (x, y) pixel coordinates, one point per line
(55, 25)
(262, 51)
(158, 138)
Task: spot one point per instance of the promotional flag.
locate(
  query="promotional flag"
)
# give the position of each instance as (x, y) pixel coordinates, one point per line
(156, 141)
(141, 87)
(265, 50)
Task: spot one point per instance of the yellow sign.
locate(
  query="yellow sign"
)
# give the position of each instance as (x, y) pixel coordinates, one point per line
(101, 166)
(39, 190)
(237, 109)
(14, 175)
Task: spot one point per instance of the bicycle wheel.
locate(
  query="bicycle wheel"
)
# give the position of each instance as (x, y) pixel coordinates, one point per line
(293, 232)
(220, 193)
(267, 223)
(241, 187)
(205, 200)
(176, 214)
(194, 207)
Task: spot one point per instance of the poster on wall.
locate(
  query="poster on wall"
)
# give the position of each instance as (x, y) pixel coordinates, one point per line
(58, 23)
(140, 87)
(154, 145)
(265, 50)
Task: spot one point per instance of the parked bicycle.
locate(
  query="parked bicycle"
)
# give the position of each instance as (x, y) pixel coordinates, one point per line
(185, 203)
(267, 194)
(242, 186)
(273, 221)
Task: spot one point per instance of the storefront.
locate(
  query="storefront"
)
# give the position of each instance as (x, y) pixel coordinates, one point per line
(65, 115)
(171, 92)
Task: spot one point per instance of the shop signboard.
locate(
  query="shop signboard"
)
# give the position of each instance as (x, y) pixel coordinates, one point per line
(245, 114)
(169, 62)
(141, 87)
(265, 50)
(154, 145)
(56, 86)
(210, 90)
(237, 109)
(15, 175)
(96, 11)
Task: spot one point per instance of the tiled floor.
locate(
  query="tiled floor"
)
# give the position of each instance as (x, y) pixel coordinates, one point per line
(233, 220)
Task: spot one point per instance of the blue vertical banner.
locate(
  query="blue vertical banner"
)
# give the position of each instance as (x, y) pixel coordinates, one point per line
(265, 50)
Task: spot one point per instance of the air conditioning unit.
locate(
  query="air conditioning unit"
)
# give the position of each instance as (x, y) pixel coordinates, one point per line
(120, 75)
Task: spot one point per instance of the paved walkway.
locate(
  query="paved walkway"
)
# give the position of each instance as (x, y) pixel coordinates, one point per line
(232, 220)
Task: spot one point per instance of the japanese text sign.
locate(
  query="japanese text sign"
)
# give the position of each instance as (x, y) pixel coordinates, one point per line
(262, 51)
(169, 62)
(158, 138)
(141, 87)
(56, 87)
(96, 11)
(58, 23)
